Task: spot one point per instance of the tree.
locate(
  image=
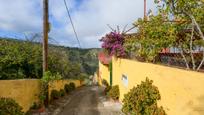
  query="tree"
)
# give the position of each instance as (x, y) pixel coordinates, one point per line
(23, 59)
(152, 36)
(190, 11)
(17, 61)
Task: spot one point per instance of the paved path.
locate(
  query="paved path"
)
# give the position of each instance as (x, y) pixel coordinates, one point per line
(88, 101)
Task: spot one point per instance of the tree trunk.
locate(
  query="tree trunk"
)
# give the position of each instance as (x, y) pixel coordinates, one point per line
(184, 57)
(191, 47)
(201, 35)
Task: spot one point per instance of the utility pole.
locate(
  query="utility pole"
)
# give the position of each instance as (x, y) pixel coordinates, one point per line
(45, 34)
(145, 10)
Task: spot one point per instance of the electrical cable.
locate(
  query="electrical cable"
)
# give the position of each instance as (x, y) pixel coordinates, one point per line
(68, 13)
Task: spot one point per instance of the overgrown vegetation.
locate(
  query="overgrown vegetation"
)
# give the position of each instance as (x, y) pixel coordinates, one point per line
(178, 25)
(142, 100)
(23, 59)
(46, 82)
(192, 12)
(173, 27)
(8, 106)
(152, 37)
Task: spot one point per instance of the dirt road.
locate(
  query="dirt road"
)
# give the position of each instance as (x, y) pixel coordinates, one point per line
(88, 101)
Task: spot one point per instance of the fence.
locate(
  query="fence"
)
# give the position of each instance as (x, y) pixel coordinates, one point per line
(177, 60)
(193, 60)
(183, 48)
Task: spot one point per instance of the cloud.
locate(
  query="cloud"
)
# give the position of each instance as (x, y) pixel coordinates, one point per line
(20, 15)
(90, 18)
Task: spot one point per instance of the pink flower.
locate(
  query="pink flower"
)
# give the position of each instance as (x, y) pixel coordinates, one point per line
(113, 44)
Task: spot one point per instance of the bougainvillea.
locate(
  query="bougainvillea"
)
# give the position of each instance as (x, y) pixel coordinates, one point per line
(113, 44)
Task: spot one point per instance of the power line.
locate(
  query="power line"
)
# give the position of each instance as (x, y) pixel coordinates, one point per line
(65, 3)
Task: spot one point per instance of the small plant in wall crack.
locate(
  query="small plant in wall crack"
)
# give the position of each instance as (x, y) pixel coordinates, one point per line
(46, 82)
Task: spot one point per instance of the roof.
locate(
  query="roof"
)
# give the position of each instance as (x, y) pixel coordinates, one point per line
(104, 58)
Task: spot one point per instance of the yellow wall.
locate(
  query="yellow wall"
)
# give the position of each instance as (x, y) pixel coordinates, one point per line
(104, 72)
(25, 92)
(182, 91)
(59, 84)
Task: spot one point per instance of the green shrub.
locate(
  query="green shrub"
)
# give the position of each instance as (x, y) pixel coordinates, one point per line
(114, 92)
(107, 89)
(55, 94)
(8, 106)
(105, 82)
(72, 85)
(67, 88)
(142, 100)
(35, 106)
(62, 92)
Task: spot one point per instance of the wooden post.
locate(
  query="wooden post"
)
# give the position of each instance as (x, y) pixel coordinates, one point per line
(145, 9)
(45, 35)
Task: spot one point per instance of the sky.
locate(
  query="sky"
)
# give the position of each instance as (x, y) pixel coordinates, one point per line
(90, 17)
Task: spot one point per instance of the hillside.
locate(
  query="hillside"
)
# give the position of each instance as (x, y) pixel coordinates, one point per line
(23, 59)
